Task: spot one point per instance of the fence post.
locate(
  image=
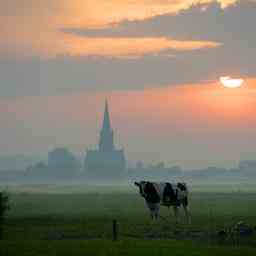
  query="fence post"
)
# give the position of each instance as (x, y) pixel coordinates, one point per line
(2, 209)
(114, 229)
(4, 206)
(1, 228)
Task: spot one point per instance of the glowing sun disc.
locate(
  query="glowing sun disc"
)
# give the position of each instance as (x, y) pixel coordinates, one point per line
(231, 83)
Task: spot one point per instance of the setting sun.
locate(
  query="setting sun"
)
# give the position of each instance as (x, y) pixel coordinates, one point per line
(231, 83)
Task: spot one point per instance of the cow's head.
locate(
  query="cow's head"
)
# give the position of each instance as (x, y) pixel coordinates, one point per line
(141, 186)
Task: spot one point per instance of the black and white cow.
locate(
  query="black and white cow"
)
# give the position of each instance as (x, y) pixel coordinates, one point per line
(166, 194)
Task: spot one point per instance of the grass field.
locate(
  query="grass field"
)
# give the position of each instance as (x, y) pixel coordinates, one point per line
(125, 247)
(50, 220)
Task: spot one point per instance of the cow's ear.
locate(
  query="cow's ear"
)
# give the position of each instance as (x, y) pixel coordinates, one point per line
(136, 184)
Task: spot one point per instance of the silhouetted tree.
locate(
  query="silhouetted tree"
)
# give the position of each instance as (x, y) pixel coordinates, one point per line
(4, 206)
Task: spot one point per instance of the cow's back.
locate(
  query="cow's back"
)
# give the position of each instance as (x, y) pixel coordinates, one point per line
(172, 193)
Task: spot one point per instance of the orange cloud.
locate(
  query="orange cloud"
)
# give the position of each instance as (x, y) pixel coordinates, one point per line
(38, 41)
(100, 13)
(32, 28)
(49, 43)
(125, 47)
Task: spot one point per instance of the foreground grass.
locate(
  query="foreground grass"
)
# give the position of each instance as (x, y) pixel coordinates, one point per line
(90, 215)
(123, 247)
(80, 224)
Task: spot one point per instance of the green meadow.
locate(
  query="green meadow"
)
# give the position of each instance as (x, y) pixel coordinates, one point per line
(77, 220)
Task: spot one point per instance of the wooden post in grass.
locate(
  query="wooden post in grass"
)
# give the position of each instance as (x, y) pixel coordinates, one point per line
(1, 229)
(114, 229)
(4, 206)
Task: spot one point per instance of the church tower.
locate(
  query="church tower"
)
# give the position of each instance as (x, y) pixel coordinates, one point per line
(106, 143)
(106, 163)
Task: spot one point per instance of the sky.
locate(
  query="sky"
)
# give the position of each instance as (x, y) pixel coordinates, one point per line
(158, 63)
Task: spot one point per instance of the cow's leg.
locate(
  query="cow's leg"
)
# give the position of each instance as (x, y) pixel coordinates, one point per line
(187, 212)
(176, 213)
(157, 209)
(152, 214)
(152, 209)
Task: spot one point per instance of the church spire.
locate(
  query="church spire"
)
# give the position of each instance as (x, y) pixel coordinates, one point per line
(106, 134)
(106, 121)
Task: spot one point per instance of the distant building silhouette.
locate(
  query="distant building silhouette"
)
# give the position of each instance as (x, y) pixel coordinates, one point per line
(61, 158)
(62, 165)
(106, 163)
(154, 172)
(248, 165)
